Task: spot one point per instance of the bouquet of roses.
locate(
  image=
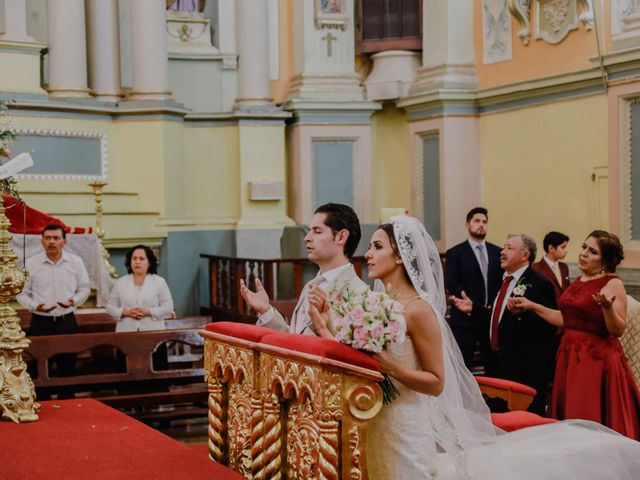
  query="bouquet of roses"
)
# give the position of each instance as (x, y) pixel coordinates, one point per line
(367, 320)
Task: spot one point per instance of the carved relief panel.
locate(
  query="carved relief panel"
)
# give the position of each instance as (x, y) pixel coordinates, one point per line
(496, 31)
(553, 19)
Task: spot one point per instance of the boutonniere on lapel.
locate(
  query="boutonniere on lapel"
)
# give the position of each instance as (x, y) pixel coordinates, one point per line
(520, 289)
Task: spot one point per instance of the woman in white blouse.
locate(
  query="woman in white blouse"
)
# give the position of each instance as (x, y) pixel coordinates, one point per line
(140, 300)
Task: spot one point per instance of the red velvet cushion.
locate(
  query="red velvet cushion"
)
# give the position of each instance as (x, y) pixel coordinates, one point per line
(506, 385)
(245, 331)
(510, 421)
(323, 347)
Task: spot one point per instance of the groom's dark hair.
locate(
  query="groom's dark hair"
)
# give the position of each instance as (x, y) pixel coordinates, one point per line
(342, 217)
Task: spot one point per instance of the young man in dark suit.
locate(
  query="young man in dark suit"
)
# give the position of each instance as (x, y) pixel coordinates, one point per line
(472, 276)
(551, 266)
(522, 343)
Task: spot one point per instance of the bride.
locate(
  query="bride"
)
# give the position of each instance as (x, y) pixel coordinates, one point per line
(439, 426)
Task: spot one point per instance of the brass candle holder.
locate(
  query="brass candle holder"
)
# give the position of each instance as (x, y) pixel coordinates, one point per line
(17, 391)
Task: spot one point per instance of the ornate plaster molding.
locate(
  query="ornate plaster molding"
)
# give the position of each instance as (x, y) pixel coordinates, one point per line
(520, 9)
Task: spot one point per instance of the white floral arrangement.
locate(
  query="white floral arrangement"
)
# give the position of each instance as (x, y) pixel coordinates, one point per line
(367, 321)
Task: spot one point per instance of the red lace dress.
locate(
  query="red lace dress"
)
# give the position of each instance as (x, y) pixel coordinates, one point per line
(593, 380)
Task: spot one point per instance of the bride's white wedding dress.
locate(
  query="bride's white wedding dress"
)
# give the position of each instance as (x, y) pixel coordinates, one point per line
(401, 445)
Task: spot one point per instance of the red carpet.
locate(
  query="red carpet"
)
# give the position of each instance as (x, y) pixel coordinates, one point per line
(85, 439)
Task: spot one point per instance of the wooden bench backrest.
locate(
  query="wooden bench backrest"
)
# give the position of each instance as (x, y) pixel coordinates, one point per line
(136, 346)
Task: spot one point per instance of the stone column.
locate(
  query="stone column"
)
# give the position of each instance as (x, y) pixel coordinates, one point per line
(104, 49)
(448, 60)
(67, 48)
(13, 21)
(150, 70)
(324, 56)
(253, 49)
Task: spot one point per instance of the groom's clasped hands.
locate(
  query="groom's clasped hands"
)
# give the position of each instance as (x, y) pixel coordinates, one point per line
(319, 310)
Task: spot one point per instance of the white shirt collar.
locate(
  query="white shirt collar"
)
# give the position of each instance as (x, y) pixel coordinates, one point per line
(63, 258)
(517, 274)
(474, 244)
(331, 275)
(550, 262)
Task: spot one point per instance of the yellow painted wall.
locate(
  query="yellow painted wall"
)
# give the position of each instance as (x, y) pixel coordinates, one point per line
(538, 59)
(391, 159)
(537, 166)
(261, 159)
(212, 172)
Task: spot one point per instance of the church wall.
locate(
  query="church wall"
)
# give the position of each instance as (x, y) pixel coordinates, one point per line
(537, 169)
(186, 273)
(390, 159)
(211, 175)
(539, 58)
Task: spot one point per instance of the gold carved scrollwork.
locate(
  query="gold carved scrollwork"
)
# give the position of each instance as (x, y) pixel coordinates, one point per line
(520, 10)
(365, 401)
(230, 363)
(239, 427)
(296, 379)
(354, 449)
(302, 440)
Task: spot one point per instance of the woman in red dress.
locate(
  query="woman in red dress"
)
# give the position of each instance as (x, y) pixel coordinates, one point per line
(593, 380)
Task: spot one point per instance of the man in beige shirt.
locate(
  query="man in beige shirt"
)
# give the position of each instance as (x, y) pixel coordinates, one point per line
(334, 234)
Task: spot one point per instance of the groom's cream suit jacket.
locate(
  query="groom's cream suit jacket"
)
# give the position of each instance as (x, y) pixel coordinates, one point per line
(302, 323)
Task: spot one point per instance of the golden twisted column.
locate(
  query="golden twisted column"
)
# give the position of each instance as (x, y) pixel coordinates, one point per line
(328, 449)
(17, 392)
(257, 437)
(216, 424)
(272, 439)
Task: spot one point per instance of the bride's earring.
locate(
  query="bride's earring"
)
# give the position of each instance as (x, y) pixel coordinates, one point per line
(398, 262)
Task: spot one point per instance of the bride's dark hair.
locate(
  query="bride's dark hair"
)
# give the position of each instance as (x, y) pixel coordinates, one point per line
(388, 229)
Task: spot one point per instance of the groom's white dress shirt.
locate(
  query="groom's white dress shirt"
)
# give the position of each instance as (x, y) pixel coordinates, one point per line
(300, 321)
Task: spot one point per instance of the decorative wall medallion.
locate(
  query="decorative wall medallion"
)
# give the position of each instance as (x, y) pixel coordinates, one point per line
(555, 19)
(331, 14)
(496, 31)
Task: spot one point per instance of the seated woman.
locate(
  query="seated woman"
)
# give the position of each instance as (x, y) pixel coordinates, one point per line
(140, 300)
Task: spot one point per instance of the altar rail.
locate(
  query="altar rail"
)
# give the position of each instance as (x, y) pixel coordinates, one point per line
(225, 274)
(286, 405)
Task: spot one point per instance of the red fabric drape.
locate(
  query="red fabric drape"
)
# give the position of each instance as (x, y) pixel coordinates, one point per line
(35, 219)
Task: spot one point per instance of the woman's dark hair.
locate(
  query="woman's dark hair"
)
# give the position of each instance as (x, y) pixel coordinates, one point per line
(342, 217)
(611, 250)
(153, 261)
(388, 229)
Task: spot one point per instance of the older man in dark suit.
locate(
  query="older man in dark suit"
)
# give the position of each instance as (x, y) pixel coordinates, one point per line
(522, 342)
(472, 277)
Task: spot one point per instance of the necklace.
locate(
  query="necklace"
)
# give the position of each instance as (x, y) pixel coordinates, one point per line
(594, 276)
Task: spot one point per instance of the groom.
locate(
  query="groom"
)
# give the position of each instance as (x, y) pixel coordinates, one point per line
(334, 234)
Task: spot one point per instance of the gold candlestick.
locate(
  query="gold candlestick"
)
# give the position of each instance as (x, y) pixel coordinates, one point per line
(17, 392)
(97, 193)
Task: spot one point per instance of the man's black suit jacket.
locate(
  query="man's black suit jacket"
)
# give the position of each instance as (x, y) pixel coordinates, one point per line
(526, 343)
(462, 272)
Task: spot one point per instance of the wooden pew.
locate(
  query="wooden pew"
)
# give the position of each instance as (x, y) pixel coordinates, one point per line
(136, 385)
(91, 320)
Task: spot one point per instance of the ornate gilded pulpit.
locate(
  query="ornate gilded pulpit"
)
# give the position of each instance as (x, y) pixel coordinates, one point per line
(288, 406)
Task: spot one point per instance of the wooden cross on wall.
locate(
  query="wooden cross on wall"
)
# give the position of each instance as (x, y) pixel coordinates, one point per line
(329, 38)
